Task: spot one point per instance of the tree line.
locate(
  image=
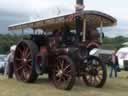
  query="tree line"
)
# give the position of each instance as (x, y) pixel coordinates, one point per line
(116, 42)
(6, 41)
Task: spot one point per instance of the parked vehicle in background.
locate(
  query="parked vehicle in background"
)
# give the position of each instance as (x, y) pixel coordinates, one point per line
(122, 55)
(2, 63)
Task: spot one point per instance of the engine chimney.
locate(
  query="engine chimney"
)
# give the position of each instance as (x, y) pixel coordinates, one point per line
(79, 5)
(78, 20)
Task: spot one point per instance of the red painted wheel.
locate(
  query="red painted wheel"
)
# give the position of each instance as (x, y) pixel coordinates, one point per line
(64, 73)
(24, 61)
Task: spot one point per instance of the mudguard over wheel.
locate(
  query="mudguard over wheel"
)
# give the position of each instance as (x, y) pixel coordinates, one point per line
(64, 73)
(24, 61)
(95, 72)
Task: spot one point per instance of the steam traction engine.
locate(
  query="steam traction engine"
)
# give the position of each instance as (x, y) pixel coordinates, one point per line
(62, 48)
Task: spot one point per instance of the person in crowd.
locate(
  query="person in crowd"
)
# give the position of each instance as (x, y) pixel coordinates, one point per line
(9, 66)
(114, 64)
(2, 69)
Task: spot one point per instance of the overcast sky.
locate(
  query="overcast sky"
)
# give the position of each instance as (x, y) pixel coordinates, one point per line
(17, 11)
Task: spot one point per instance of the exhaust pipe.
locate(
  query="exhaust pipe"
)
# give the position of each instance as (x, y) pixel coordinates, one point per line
(78, 20)
(79, 5)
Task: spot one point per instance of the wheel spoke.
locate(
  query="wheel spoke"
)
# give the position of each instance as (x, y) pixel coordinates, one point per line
(100, 72)
(96, 81)
(87, 76)
(62, 65)
(18, 59)
(29, 66)
(67, 75)
(91, 80)
(63, 79)
(58, 79)
(57, 67)
(100, 78)
(26, 74)
(87, 69)
(29, 60)
(19, 50)
(68, 71)
(20, 68)
(66, 67)
(26, 51)
(23, 52)
(28, 55)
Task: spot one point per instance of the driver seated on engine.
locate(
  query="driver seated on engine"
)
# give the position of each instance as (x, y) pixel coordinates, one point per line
(55, 39)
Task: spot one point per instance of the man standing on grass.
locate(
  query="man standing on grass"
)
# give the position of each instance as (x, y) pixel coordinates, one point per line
(114, 65)
(9, 66)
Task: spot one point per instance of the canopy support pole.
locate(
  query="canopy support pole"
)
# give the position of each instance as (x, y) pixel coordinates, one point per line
(22, 33)
(101, 30)
(34, 31)
(84, 29)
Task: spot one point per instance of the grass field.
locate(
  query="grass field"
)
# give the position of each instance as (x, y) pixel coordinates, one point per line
(113, 87)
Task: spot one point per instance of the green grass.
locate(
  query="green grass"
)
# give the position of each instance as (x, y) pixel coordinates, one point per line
(113, 87)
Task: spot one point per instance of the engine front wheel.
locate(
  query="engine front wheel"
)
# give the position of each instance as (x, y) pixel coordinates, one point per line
(95, 72)
(64, 73)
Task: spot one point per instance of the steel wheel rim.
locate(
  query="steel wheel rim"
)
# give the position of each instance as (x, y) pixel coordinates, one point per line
(62, 73)
(94, 79)
(23, 62)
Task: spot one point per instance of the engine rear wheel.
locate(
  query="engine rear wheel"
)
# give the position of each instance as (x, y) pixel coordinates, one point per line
(24, 61)
(64, 73)
(95, 72)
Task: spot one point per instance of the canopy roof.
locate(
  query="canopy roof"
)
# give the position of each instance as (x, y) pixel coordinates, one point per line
(93, 18)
